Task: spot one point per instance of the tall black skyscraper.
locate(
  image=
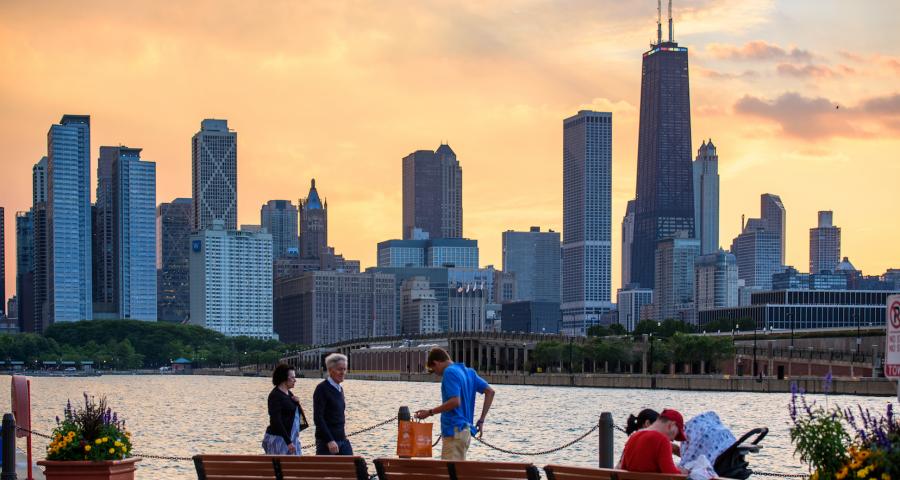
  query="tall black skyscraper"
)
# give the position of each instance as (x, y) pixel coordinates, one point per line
(432, 193)
(173, 238)
(664, 203)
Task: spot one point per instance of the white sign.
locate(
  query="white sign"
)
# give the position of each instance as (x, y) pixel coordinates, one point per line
(892, 338)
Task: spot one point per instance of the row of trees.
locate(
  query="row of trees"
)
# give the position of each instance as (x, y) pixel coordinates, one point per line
(610, 349)
(129, 344)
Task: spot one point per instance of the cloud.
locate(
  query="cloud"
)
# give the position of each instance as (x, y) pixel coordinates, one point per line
(813, 118)
(758, 50)
(805, 71)
(717, 75)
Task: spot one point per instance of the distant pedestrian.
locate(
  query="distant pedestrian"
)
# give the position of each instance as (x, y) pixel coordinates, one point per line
(458, 387)
(328, 409)
(285, 414)
(650, 450)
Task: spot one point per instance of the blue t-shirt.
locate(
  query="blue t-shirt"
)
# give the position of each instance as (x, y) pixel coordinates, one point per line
(460, 381)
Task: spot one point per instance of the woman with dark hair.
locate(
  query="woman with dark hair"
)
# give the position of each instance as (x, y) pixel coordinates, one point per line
(641, 421)
(286, 417)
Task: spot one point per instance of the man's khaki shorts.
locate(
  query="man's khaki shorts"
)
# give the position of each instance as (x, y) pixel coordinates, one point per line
(455, 447)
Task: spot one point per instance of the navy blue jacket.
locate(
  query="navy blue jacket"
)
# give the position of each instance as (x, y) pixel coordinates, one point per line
(328, 413)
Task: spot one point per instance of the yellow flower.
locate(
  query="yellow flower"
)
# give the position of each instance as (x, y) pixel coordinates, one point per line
(842, 473)
(125, 450)
(112, 450)
(885, 476)
(855, 464)
(70, 434)
(98, 441)
(862, 473)
(863, 454)
(118, 443)
(105, 439)
(87, 448)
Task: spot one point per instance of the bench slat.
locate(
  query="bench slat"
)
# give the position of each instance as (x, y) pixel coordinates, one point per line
(261, 467)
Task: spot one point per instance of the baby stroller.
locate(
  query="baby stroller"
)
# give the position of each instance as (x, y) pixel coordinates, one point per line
(732, 463)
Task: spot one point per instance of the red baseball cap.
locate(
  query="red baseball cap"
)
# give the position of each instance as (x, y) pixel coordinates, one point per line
(676, 417)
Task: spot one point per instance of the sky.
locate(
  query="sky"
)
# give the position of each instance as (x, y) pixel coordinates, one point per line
(801, 99)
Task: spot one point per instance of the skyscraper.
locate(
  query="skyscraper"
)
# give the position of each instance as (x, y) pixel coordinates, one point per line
(279, 218)
(673, 294)
(757, 252)
(103, 235)
(773, 213)
(419, 307)
(134, 235)
(40, 277)
(534, 258)
(627, 241)
(173, 243)
(432, 193)
(706, 198)
(716, 282)
(587, 218)
(69, 279)
(39, 181)
(214, 166)
(25, 271)
(231, 281)
(629, 302)
(664, 203)
(313, 224)
(824, 245)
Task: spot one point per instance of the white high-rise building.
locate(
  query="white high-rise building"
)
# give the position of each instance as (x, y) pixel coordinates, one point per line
(716, 281)
(231, 281)
(706, 198)
(629, 303)
(824, 245)
(419, 307)
(214, 164)
(587, 218)
(772, 211)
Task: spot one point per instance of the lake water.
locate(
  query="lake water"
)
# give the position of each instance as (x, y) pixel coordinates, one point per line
(186, 415)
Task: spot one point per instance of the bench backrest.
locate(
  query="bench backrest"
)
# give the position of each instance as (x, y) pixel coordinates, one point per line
(562, 472)
(412, 469)
(494, 471)
(279, 467)
(422, 469)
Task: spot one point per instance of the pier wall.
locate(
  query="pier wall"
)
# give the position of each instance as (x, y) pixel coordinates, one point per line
(844, 386)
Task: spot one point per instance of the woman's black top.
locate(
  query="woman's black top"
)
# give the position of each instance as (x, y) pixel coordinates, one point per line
(282, 410)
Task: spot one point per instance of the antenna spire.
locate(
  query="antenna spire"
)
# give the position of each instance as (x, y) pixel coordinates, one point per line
(671, 35)
(658, 22)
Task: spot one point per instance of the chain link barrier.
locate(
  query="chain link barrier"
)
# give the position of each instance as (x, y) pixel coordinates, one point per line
(543, 452)
(437, 440)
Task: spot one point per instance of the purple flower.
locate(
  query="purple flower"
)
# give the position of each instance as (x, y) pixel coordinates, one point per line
(57, 419)
(827, 386)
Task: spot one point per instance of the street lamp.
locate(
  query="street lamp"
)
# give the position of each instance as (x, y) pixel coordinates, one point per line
(791, 318)
(858, 334)
(650, 368)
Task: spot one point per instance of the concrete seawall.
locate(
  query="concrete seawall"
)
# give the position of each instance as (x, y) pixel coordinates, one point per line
(709, 383)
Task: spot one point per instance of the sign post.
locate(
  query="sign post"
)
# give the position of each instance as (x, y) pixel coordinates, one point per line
(21, 409)
(892, 341)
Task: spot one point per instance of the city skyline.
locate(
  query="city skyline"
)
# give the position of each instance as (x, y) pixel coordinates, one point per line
(751, 66)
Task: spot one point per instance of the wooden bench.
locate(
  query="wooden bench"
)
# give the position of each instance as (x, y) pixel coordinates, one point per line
(562, 472)
(280, 467)
(422, 469)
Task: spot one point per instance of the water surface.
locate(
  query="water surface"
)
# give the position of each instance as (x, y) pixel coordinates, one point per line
(186, 415)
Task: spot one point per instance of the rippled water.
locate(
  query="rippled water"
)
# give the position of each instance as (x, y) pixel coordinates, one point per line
(185, 415)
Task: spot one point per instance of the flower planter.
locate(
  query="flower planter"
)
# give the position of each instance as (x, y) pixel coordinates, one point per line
(86, 470)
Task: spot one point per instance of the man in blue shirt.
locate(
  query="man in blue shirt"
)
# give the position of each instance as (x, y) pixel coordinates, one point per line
(458, 387)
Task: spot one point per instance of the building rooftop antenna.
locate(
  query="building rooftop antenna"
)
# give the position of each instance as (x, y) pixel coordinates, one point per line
(658, 22)
(671, 30)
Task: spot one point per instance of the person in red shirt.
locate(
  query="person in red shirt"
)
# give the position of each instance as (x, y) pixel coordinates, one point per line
(650, 450)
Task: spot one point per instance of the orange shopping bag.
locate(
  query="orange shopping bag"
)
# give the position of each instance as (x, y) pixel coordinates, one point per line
(414, 439)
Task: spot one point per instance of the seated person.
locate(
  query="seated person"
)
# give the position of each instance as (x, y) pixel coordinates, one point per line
(641, 421)
(650, 450)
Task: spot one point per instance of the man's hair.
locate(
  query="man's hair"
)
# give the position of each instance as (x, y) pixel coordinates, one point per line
(280, 374)
(333, 359)
(437, 354)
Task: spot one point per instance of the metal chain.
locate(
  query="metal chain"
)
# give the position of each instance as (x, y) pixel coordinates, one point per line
(437, 441)
(373, 427)
(780, 475)
(545, 452)
(163, 457)
(48, 437)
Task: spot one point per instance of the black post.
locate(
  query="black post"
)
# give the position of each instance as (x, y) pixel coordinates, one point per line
(9, 447)
(755, 367)
(403, 414)
(606, 440)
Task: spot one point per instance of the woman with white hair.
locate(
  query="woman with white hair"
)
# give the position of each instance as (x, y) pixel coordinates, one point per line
(328, 409)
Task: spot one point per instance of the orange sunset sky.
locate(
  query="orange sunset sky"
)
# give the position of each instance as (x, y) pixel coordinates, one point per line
(341, 91)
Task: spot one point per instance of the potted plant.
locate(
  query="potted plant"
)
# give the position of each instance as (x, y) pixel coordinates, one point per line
(840, 444)
(90, 443)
